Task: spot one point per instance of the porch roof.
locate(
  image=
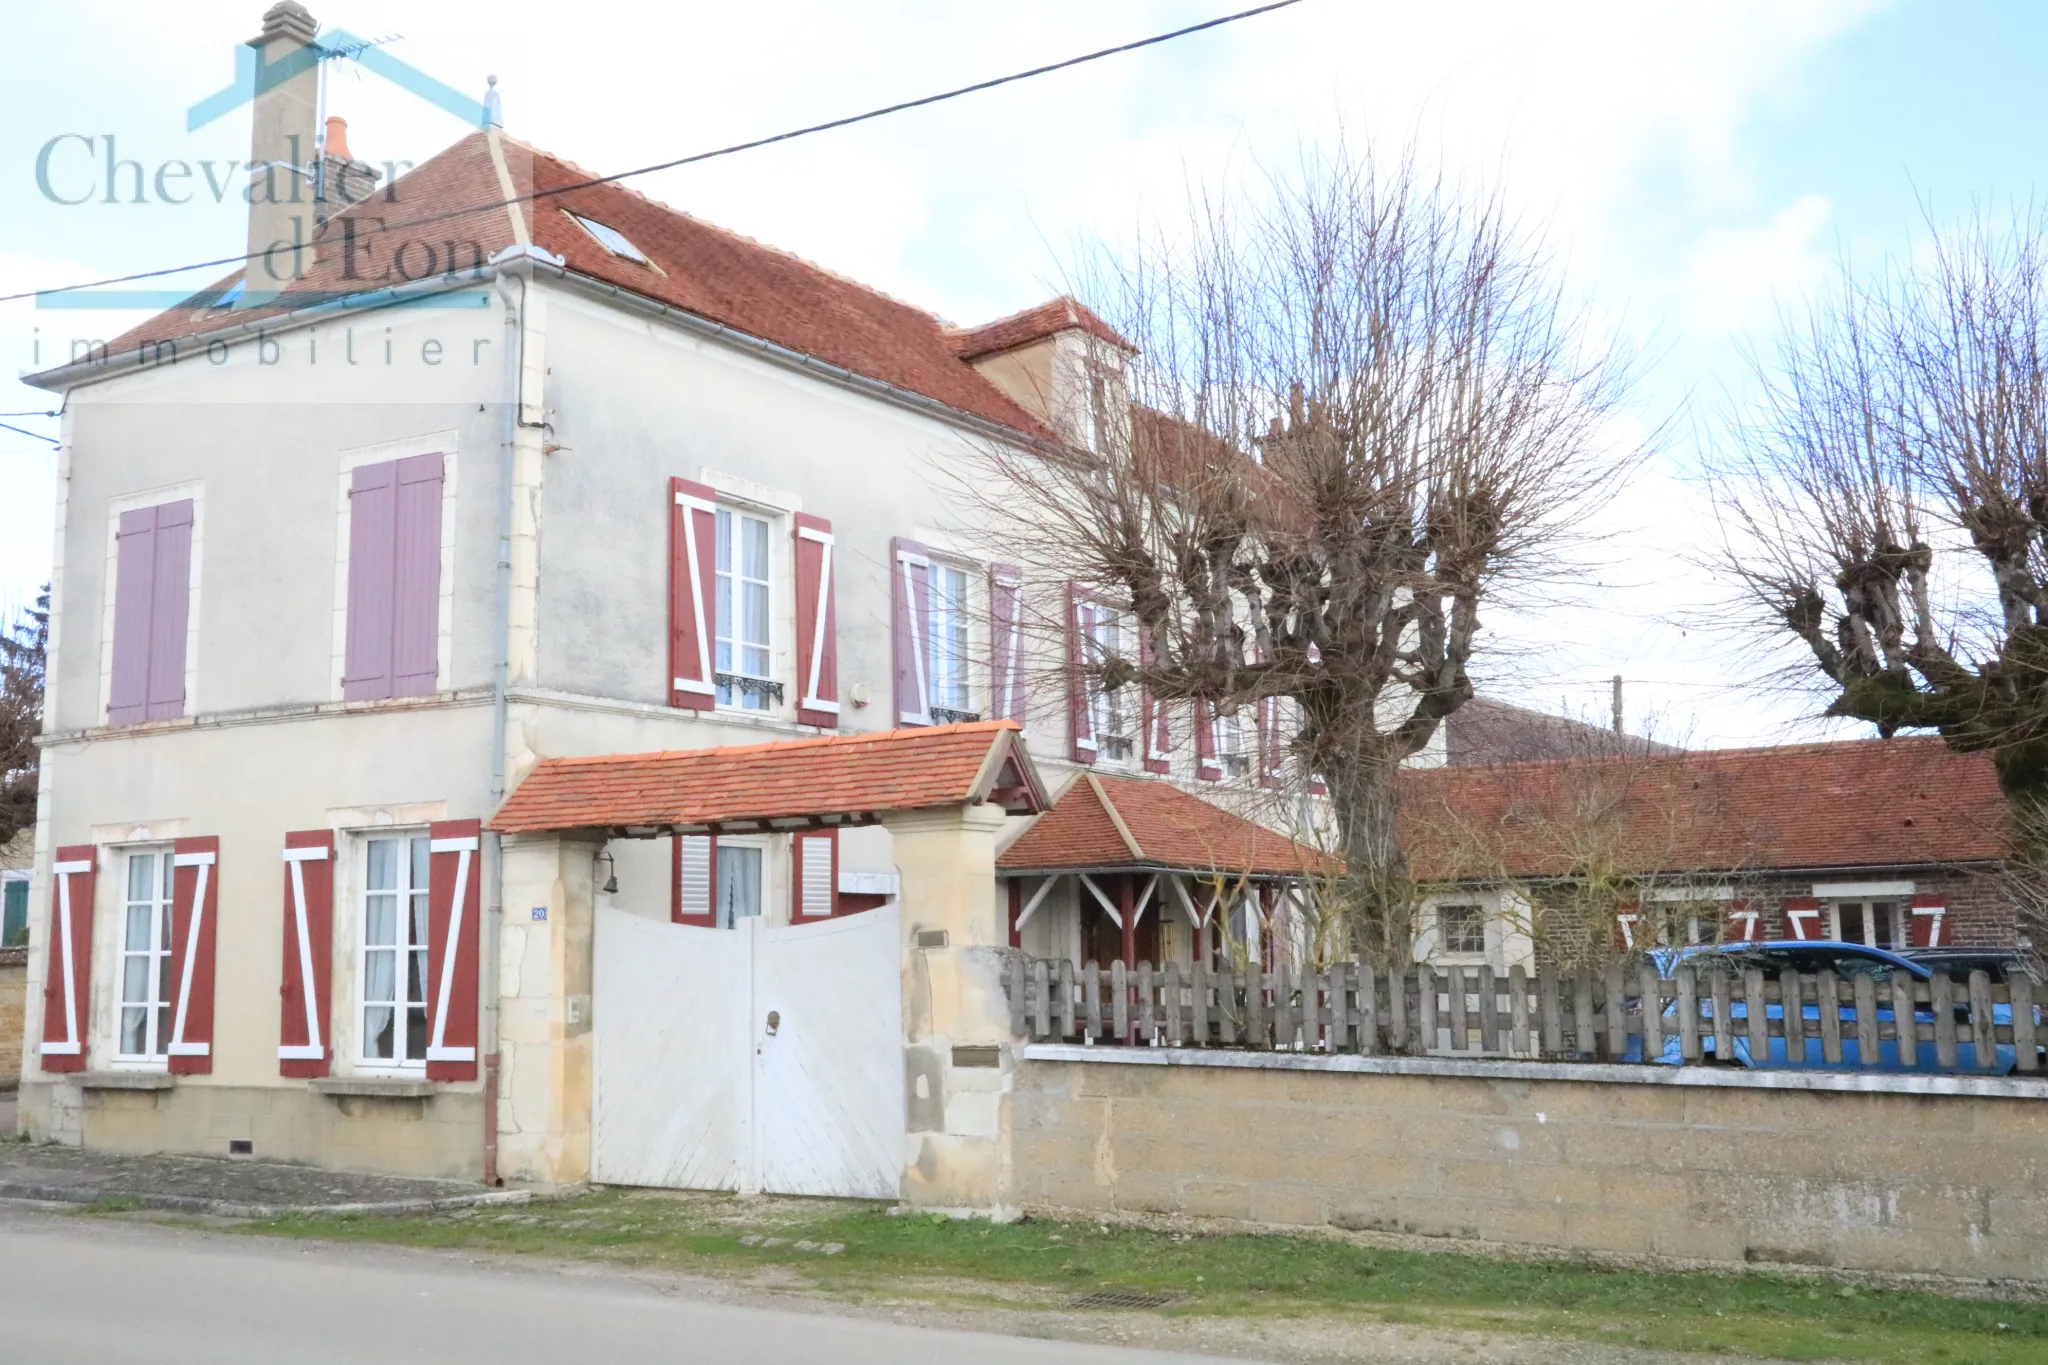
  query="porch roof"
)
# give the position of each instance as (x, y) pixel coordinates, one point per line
(795, 784)
(1108, 824)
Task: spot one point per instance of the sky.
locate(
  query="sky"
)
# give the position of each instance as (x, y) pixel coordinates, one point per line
(1694, 168)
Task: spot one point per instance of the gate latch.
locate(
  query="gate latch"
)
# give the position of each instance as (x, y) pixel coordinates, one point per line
(774, 1021)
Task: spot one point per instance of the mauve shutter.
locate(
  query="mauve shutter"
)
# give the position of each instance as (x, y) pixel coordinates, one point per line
(1152, 712)
(1080, 717)
(1206, 766)
(817, 625)
(814, 875)
(453, 935)
(307, 981)
(1006, 643)
(692, 542)
(372, 587)
(1271, 751)
(170, 602)
(195, 896)
(67, 957)
(696, 880)
(1803, 918)
(416, 593)
(134, 595)
(910, 616)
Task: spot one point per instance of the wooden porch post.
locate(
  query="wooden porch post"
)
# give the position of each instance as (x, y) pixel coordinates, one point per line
(1016, 909)
(1127, 904)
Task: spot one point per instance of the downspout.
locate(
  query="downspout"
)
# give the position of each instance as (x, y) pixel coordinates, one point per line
(511, 289)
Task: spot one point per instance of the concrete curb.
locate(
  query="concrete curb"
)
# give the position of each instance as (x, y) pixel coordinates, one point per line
(226, 1208)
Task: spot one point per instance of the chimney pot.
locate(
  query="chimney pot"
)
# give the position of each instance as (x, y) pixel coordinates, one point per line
(337, 139)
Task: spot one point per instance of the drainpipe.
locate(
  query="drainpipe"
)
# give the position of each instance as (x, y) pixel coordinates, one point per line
(511, 289)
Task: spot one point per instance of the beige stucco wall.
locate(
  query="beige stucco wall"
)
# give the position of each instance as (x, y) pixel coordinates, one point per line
(1944, 1184)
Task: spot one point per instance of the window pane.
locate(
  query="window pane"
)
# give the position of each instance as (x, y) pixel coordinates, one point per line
(137, 939)
(416, 1033)
(416, 978)
(134, 1020)
(739, 883)
(756, 563)
(724, 552)
(141, 877)
(383, 874)
(380, 976)
(757, 614)
(417, 938)
(135, 980)
(380, 921)
(422, 864)
(377, 1033)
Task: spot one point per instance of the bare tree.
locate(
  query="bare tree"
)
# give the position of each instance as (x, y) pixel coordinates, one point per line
(23, 644)
(1886, 499)
(1359, 406)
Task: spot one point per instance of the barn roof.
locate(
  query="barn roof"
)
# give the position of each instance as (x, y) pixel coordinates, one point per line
(801, 783)
(1106, 823)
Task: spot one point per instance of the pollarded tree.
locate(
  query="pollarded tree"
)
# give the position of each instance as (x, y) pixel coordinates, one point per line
(1359, 407)
(23, 645)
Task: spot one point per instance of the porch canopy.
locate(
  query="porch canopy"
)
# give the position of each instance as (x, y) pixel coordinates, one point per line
(827, 783)
(1135, 844)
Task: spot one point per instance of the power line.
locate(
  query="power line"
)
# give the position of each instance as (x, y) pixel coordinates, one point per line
(693, 159)
(29, 414)
(24, 431)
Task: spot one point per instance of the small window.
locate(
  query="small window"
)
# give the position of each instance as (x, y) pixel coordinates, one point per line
(739, 883)
(1230, 754)
(611, 239)
(744, 640)
(13, 909)
(145, 1026)
(393, 980)
(948, 644)
(1461, 929)
(1875, 924)
(1110, 712)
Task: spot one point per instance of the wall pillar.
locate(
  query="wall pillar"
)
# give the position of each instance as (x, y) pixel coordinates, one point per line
(544, 1044)
(957, 1048)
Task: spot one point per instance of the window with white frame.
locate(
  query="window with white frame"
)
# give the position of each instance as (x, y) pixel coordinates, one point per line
(741, 893)
(745, 605)
(1461, 930)
(1876, 923)
(1230, 751)
(393, 968)
(1109, 710)
(145, 1023)
(948, 645)
(13, 909)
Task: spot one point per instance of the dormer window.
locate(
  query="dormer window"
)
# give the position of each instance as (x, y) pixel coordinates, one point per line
(610, 238)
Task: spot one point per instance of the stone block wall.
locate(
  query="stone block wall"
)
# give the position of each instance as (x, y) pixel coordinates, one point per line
(1942, 1184)
(13, 1012)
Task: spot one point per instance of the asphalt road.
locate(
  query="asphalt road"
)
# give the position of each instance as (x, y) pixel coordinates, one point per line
(111, 1292)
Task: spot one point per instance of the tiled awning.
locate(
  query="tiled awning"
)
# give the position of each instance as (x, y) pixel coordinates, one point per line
(796, 784)
(1135, 824)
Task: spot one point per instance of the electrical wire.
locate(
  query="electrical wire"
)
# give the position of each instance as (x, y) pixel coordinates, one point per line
(30, 414)
(32, 435)
(792, 134)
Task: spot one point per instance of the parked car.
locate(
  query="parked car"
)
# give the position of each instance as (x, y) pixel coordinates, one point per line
(1846, 961)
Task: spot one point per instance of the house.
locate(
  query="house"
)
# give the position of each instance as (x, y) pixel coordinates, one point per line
(1891, 843)
(495, 467)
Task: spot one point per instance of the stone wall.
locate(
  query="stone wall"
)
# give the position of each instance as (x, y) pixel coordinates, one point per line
(1703, 1165)
(13, 1013)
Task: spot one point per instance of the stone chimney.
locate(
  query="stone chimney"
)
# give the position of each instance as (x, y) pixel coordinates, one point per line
(344, 181)
(282, 142)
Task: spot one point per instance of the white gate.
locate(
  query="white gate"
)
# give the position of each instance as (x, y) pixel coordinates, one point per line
(763, 1057)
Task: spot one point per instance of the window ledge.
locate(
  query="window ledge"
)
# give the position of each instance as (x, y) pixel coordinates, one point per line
(126, 1080)
(374, 1087)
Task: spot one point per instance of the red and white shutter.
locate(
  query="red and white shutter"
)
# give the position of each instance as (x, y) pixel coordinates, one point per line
(1207, 766)
(1080, 715)
(817, 625)
(814, 875)
(67, 964)
(696, 880)
(1006, 643)
(1741, 923)
(195, 896)
(1803, 919)
(1628, 929)
(692, 541)
(910, 618)
(1272, 751)
(453, 936)
(307, 981)
(1152, 714)
(1927, 923)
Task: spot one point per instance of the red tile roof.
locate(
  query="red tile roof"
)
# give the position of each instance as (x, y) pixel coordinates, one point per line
(1063, 314)
(841, 775)
(1861, 803)
(717, 275)
(1120, 822)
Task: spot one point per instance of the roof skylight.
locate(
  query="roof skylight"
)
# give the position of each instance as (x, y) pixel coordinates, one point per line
(610, 238)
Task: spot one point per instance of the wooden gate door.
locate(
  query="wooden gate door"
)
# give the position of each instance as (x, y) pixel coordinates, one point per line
(762, 1057)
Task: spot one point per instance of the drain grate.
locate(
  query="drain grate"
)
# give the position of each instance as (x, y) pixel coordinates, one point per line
(1121, 1298)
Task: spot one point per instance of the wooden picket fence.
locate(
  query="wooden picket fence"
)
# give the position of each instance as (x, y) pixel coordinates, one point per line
(1575, 1016)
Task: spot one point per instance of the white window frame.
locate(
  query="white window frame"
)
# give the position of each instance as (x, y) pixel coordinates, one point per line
(1115, 744)
(776, 585)
(159, 952)
(359, 930)
(965, 617)
(1900, 914)
(1481, 914)
(1231, 760)
(442, 443)
(10, 877)
(135, 502)
(773, 911)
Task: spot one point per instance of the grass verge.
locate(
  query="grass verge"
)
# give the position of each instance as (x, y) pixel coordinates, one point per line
(1045, 1264)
